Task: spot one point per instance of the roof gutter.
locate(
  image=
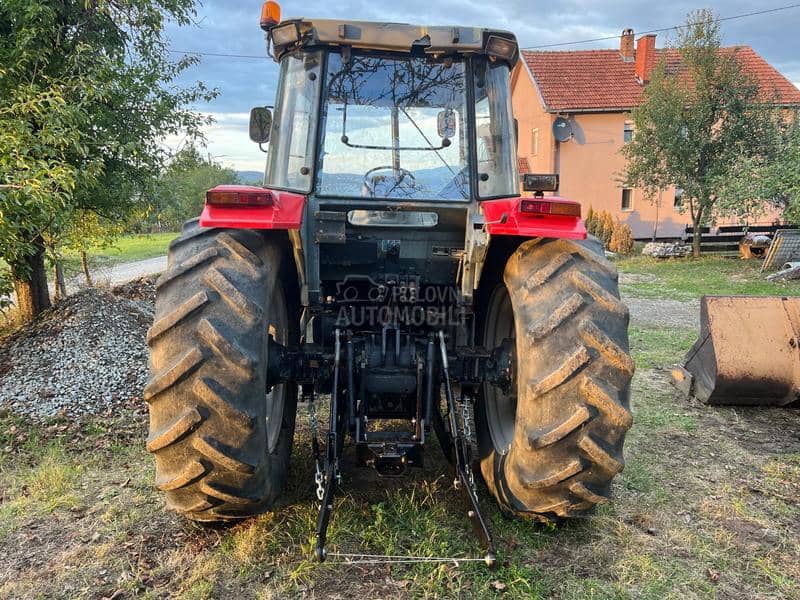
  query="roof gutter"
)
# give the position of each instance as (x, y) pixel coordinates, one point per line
(589, 110)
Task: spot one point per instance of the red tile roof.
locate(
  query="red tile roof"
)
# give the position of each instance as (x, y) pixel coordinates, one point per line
(601, 80)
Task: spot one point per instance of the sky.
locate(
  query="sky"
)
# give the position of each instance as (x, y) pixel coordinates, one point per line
(231, 27)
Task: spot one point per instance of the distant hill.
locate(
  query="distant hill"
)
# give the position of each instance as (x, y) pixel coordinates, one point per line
(252, 177)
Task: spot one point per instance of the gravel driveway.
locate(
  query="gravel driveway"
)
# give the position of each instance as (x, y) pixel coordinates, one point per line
(647, 312)
(122, 273)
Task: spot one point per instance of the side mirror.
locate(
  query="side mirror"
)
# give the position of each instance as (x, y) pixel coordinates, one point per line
(446, 123)
(260, 124)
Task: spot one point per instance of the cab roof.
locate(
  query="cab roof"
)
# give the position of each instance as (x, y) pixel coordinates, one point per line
(397, 37)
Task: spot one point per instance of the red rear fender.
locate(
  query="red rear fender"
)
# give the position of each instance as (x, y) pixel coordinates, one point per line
(275, 209)
(527, 224)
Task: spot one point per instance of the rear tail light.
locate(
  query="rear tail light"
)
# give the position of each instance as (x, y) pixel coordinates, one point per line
(547, 207)
(232, 198)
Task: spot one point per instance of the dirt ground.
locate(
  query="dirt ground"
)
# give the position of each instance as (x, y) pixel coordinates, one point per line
(708, 506)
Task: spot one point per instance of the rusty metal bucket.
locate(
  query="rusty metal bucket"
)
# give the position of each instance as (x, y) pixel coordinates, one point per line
(747, 352)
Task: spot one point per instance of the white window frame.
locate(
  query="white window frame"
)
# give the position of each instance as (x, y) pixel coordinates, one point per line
(622, 200)
(627, 128)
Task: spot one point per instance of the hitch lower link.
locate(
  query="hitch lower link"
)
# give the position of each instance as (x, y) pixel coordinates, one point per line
(327, 478)
(454, 438)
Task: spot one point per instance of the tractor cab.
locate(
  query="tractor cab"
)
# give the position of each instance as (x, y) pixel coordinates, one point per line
(395, 134)
(388, 112)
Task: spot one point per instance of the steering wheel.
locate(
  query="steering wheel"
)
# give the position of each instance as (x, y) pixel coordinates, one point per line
(370, 183)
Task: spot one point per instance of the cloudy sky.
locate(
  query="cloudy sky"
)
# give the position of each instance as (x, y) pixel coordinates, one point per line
(231, 27)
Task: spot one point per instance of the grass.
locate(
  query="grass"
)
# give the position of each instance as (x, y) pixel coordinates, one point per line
(689, 278)
(659, 347)
(40, 489)
(130, 248)
(705, 508)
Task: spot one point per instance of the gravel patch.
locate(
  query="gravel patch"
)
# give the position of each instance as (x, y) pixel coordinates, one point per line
(628, 278)
(651, 312)
(87, 355)
(647, 312)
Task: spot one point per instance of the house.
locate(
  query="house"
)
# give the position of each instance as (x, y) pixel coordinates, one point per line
(585, 97)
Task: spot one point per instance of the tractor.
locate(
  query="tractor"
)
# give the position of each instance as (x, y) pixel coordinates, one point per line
(391, 271)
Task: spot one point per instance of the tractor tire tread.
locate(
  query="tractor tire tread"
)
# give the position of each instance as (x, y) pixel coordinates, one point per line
(572, 407)
(207, 391)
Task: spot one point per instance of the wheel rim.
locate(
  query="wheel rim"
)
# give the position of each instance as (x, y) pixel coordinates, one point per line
(501, 408)
(276, 397)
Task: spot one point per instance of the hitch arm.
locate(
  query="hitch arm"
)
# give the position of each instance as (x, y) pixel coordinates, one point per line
(464, 478)
(335, 432)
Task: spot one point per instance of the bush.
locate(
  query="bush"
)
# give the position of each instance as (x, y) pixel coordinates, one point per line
(605, 228)
(601, 225)
(590, 221)
(621, 239)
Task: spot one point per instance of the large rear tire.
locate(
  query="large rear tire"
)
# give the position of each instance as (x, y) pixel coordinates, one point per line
(221, 442)
(550, 447)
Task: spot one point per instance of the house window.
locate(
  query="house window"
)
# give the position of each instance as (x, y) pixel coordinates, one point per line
(627, 132)
(535, 142)
(627, 199)
(678, 201)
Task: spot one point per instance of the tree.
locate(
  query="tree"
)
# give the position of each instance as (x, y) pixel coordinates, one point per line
(87, 92)
(38, 131)
(180, 192)
(698, 124)
(590, 221)
(89, 230)
(782, 175)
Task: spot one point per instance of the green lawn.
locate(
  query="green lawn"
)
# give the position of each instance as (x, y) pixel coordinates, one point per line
(130, 248)
(690, 278)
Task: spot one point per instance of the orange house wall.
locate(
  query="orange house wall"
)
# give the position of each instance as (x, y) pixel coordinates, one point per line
(530, 114)
(590, 163)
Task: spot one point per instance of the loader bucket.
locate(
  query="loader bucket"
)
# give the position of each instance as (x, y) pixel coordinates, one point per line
(747, 352)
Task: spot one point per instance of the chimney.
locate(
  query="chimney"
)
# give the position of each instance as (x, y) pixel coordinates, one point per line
(645, 57)
(626, 45)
